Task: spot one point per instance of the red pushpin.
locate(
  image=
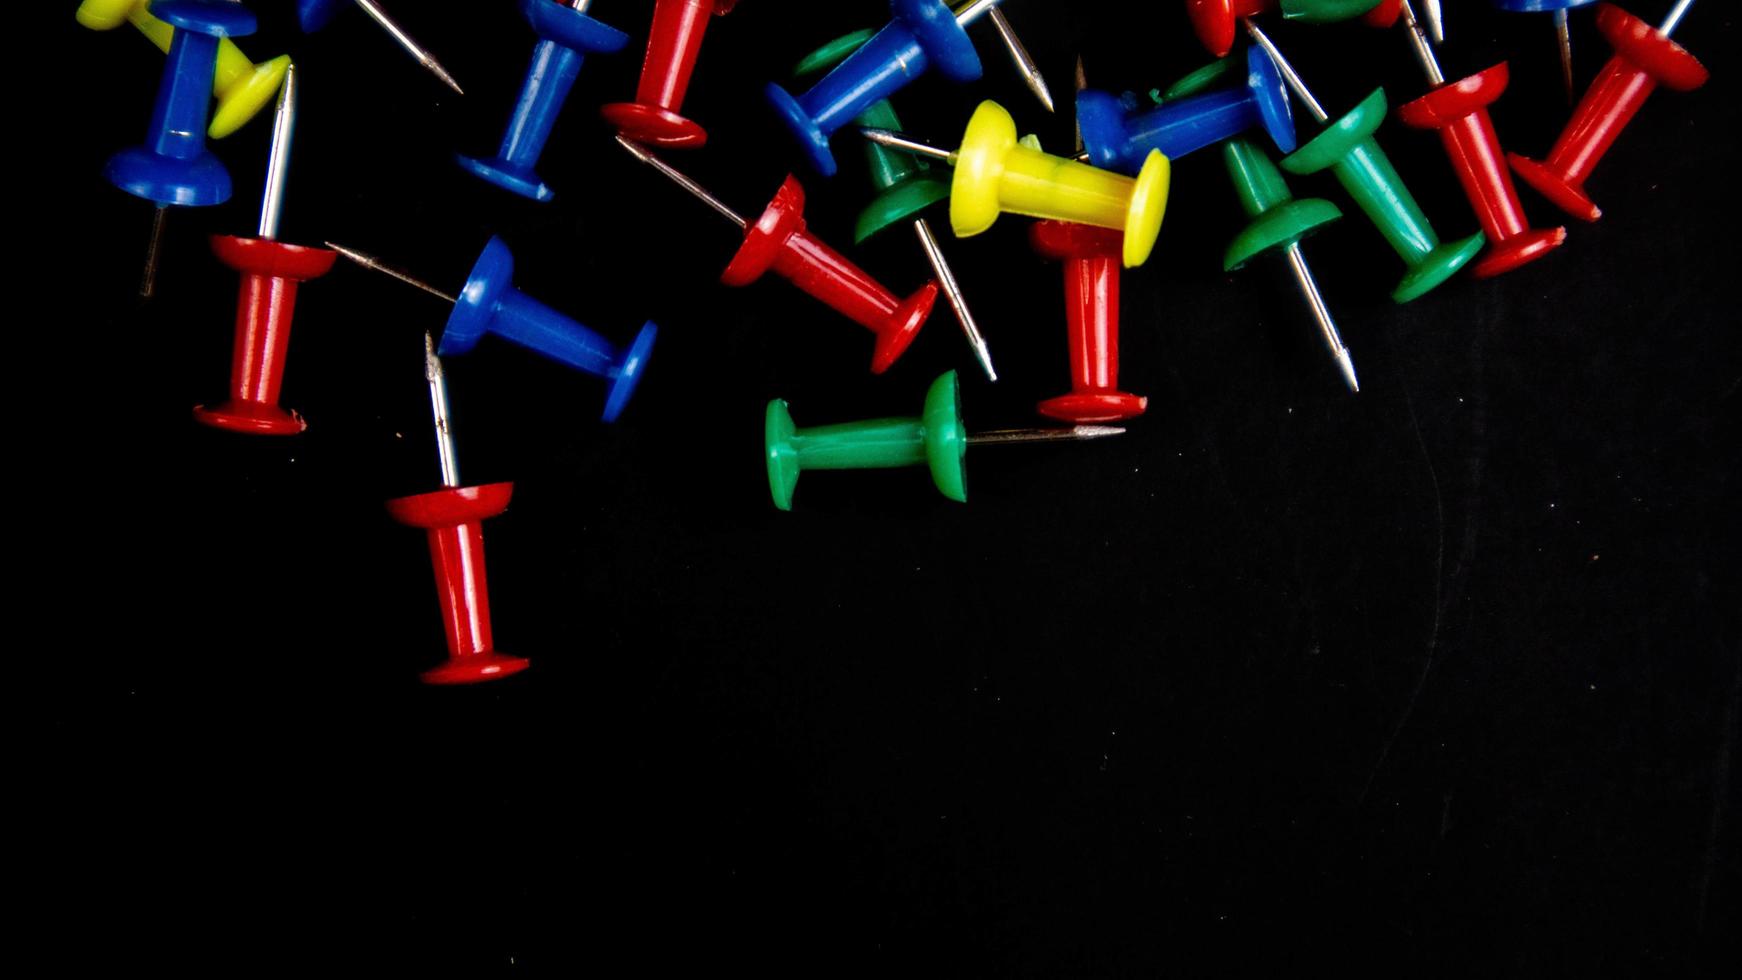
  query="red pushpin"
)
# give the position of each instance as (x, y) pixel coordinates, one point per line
(1091, 259)
(1459, 112)
(673, 42)
(1644, 58)
(453, 519)
(270, 271)
(778, 241)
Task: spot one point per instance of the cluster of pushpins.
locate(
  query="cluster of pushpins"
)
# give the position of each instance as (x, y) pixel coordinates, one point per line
(1100, 207)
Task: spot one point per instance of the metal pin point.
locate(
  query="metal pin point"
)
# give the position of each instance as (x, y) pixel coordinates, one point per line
(1295, 84)
(1303, 277)
(371, 262)
(1424, 51)
(907, 144)
(278, 164)
(1023, 61)
(953, 293)
(438, 401)
(1436, 24)
(411, 47)
(1019, 437)
(682, 180)
(153, 250)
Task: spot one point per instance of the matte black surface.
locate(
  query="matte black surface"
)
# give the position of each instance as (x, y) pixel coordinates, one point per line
(1442, 677)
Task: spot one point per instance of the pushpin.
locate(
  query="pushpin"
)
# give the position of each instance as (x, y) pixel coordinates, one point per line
(1347, 149)
(241, 87)
(1190, 119)
(1563, 34)
(779, 241)
(489, 303)
(1460, 112)
(936, 438)
(906, 186)
(995, 174)
(566, 36)
(453, 517)
(1091, 264)
(173, 167)
(316, 14)
(673, 43)
(1279, 222)
(1213, 20)
(1643, 59)
(923, 33)
(266, 305)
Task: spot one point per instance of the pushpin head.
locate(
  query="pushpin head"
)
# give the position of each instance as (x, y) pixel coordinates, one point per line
(1263, 82)
(451, 517)
(626, 374)
(673, 42)
(902, 202)
(937, 438)
(1279, 220)
(810, 136)
(197, 182)
(491, 276)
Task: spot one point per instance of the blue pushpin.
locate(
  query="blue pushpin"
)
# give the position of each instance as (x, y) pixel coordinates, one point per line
(316, 14)
(566, 36)
(173, 166)
(489, 303)
(922, 33)
(1116, 140)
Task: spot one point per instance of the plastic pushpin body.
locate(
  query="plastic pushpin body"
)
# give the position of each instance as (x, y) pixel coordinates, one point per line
(1214, 20)
(995, 174)
(1279, 220)
(923, 33)
(489, 303)
(936, 439)
(452, 518)
(1347, 148)
(241, 87)
(270, 271)
(1119, 141)
(673, 42)
(1459, 112)
(174, 166)
(1091, 267)
(779, 241)
(1643, 59)
(566, 37)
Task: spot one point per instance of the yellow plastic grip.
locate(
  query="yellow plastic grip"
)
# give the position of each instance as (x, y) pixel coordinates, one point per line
(242, 88)
(995, 173)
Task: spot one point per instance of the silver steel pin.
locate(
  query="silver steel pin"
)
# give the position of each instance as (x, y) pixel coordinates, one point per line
(438, 402)
(1322, 314)
(974, 11)
(1436, 23)
(907, 144)
(1674, 17)
(278, 163)
(1287, 71)
(1020, 57)
(411, 47)
(1424, 51)
(953, 293)
(1564, 38)
(1019, 437)
(682, 180)
(371, 262)
(153, 252)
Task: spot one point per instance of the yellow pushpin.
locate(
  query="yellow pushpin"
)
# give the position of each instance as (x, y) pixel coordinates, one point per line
(242, 87)
(996, 173)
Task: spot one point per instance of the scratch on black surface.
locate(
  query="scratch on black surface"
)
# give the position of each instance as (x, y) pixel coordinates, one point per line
(1439, 572)
(1720, 787)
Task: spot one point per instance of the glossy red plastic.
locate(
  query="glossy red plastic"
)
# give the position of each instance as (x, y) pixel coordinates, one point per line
(271, 271)
(1213, 20)
(1459, 111)
(778, 240)
(1091, 258)
(673, 43)
(1643, 60)
(452, 517)
(1383, 15)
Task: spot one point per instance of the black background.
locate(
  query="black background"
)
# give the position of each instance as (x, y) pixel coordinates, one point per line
(1442, 676)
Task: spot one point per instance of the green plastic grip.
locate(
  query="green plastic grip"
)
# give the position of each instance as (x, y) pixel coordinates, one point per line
(1278, 220)
(1325, 11)
(936, 438)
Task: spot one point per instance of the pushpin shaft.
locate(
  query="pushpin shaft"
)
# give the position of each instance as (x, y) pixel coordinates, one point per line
(438, 400)
(411, 47)
(1020, 57)
(278, 162)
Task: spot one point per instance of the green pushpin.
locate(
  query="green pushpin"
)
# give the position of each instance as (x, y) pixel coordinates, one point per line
(906, 186)
(936, 439)
(1279, 222)
(1347, 148)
